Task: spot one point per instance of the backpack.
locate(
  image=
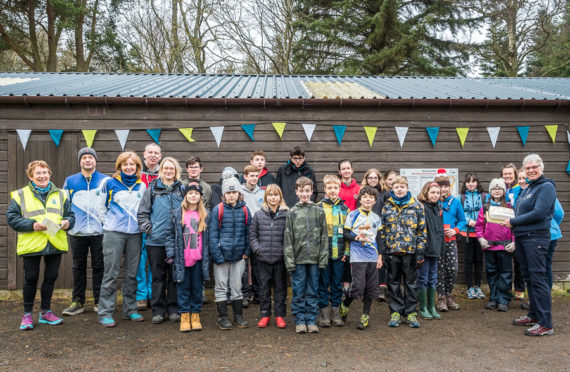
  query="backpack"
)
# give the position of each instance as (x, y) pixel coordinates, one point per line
(221, 213)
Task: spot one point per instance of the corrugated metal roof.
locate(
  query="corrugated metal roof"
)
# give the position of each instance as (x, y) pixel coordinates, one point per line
(279, 86)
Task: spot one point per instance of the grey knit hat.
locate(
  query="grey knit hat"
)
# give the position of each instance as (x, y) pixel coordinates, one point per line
(229, 172)
(497, 182)
(231, 184)
(86, 151)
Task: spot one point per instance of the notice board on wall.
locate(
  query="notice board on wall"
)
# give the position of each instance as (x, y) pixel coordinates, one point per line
(417, 178)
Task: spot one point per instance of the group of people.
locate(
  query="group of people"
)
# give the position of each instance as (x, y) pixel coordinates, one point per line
(362, 241)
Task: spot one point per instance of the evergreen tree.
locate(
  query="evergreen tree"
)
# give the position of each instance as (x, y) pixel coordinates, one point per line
(392, 37)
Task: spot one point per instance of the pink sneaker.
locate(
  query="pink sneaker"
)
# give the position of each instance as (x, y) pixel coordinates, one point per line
(49, 318)
(27, 322)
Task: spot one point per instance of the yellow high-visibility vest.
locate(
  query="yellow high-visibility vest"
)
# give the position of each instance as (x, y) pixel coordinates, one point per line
(33, 208)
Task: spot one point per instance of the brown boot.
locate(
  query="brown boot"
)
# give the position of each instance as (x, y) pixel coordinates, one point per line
(195, 320)
(451, 303)
(185, 322)
(441, 304)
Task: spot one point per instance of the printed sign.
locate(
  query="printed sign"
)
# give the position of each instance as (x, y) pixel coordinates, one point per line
(417, 178)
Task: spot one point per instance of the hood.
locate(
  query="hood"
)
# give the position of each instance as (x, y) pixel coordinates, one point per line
(328, 201)
(542, 179)
(353, 184)
(245, 190)
(292, 168)
(239, 204)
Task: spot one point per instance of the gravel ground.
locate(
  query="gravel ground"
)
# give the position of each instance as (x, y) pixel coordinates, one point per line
(469, 339)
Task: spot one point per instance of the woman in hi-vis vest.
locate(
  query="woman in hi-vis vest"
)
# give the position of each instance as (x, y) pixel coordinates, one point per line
(41, 214)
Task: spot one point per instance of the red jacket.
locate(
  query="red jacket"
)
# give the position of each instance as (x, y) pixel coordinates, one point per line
(349, 193)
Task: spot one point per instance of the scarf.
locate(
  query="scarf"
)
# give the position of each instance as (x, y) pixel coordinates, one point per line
(129, 181)
(40, 190)
(401, 201)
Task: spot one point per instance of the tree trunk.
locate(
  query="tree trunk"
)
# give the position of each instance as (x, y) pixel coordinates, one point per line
(176, 49)
(511, 10)
(52, 36)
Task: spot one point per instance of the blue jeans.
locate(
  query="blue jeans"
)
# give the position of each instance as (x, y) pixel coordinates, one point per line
(190, 290)
(499, 275)
(304, 303)
(427, 274)
(144, 277)
(532, 253)
(331, 277)
(549, 262)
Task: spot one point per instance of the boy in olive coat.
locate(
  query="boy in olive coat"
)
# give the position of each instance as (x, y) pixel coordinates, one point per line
(306, 251)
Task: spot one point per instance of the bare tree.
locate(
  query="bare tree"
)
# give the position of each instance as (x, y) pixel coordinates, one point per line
(512, 27)
(262, 32)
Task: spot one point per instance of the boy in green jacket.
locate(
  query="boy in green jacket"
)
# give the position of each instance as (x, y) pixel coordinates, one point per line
(306, 251)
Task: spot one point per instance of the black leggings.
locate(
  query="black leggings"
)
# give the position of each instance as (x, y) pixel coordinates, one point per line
(32, 275)
(473, 261)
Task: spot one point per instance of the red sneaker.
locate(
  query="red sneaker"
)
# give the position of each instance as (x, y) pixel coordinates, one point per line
(280, 322)
(263, 322)
(524, 321)
(539, 330)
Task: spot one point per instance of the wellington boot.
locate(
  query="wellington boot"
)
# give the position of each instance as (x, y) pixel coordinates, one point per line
(431, 295)
(223, 321)
(422, 299)
(239, 321)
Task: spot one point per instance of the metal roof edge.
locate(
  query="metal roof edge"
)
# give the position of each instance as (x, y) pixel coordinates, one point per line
(278, 102)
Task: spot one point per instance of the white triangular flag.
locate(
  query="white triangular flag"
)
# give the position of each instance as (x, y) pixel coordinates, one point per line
(309, 129)
(122, 135)
(24, 135)
(568, 136)
(217, 132)
(493, 134)
(401, 132)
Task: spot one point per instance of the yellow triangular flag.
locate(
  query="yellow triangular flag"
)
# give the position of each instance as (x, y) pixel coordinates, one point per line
(89, 135)
(187, 132)
(462, 133)
(370, 134)
(280, 128)
(552, 131)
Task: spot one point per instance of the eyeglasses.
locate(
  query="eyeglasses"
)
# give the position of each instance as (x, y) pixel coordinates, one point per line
(372, 178)
(532, 167)
(297, 158)
(194, 167)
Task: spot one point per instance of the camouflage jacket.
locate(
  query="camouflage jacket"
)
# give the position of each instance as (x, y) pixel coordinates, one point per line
(306, 236)
(403, 228)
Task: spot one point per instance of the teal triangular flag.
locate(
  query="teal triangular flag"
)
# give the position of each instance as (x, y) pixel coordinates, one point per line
(339, 132)
(523, 132)
(432, 133)
(568, 167)
(249, 128)
(155, 134)
(56, 135)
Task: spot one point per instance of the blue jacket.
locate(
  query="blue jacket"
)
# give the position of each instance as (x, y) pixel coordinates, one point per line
(535, 207)
(555, 232)
(471, 207)
(229, 241)
(512, 194)
(83, 197)
(118, 205)
(453, 215)
(154, 211)
(175, 246)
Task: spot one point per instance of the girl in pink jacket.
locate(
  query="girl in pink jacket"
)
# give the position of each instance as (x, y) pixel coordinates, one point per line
(498, 243)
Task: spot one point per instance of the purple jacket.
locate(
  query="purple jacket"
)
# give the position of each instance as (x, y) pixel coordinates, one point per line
(492, 232)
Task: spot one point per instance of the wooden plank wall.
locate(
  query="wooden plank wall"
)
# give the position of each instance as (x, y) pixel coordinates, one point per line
(323, 151)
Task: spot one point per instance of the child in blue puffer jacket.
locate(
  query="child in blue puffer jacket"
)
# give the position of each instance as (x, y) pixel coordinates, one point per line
(229, 247)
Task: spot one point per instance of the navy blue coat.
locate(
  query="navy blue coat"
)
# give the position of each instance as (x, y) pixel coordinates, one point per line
(535, 207)
(175, 246)
(229, 241)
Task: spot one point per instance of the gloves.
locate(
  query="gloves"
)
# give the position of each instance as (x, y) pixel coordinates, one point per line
(510, 247)
(419, 260)
(484, 243)
(169, 260)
